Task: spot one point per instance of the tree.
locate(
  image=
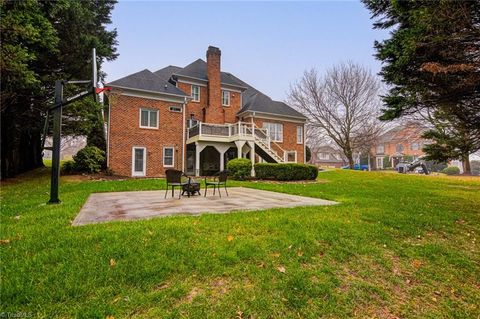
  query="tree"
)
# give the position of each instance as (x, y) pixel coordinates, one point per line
(43, 41)
(432, 66)
(343, 105)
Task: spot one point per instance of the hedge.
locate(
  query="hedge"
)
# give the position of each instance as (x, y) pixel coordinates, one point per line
(452, 170)
(239, 168)
(286, 171)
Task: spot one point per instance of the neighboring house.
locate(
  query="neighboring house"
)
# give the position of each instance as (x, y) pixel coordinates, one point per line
(69, 146)
(327, 156)
(196, 119)
(400, 143)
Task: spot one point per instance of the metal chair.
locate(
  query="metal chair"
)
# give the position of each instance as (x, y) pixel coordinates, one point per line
(219, 180)
(174, 179)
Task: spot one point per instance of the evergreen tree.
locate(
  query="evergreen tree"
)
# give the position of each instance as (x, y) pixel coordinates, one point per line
(432, 66)
(43, 41)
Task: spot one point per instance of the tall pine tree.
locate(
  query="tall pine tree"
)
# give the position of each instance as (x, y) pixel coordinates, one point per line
(432, 66)
(43, 41)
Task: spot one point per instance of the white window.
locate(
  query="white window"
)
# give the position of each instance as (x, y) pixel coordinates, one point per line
(323, 156)
(299, 134)
(414, 146)
(379, 162)
(380, 149)
(291, 156)
(196, 93)
(148, 118)
(168, 157)
(177, 109)
(399, 148)
(139, 161)
(275, 131)
(225, 98)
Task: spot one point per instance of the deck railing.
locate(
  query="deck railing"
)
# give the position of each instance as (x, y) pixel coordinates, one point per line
(239, 130)
(221, 130)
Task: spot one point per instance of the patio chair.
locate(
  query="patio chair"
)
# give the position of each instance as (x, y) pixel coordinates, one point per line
(219, 180)
(174, 179)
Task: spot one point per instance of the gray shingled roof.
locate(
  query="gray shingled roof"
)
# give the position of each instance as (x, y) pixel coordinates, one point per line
(253, 100)
(198, 70)
(166, 73)
(147, 81)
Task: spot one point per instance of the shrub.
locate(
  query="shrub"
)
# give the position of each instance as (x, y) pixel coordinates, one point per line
(452, 170)
(68, 167)
(286, 171)
(89, 159)
(239, 168)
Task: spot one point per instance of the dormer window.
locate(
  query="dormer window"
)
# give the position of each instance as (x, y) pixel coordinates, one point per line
(225, 98)
(196, 93)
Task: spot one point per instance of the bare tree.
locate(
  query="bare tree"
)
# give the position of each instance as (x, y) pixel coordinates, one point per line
(344, 105)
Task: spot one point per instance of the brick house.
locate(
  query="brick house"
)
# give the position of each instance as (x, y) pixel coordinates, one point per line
(399, 143)
(196, 119)
(327, 156)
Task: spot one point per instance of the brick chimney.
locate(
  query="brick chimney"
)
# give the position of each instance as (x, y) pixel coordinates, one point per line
(214, 112)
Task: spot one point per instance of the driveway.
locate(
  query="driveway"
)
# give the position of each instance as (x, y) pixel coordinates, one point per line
(104, 207)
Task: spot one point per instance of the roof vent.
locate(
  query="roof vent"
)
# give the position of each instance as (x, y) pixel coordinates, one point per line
(166, 86)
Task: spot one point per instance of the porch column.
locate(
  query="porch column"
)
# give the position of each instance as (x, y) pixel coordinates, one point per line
(198, 149)
(239, 145)
(252, 156)
(221, 150)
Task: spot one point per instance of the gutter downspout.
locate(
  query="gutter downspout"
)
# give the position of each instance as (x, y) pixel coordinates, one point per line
(183, 134)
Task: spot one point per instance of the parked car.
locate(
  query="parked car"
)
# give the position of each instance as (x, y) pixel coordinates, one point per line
(357, 167)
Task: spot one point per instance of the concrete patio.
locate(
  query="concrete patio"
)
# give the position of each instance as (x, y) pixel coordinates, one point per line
(104, 207)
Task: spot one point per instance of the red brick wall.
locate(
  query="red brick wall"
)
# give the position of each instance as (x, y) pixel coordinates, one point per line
(230, 112)
(125, 132)
(289, 136)
(195, 107)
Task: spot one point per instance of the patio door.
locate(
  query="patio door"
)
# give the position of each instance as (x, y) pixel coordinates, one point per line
(139, 161)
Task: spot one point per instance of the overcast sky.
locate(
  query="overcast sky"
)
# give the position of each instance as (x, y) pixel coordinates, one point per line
(266, 44)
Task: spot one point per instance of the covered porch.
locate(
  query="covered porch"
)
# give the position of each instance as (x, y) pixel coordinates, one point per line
(206, 158)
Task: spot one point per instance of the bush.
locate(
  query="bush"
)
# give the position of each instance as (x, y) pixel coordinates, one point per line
(89, 159)
(286, 171)
(239, 168)
(68, 167)
(452, 170)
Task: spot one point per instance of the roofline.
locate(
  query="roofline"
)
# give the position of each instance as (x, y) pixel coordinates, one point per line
(148, 91)
(274, 114)
(203, 80)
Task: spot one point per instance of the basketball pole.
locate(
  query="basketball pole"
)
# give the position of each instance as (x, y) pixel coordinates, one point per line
(56, 110)
(57, 131)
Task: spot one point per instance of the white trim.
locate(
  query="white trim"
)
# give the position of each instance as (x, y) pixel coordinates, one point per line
(301, 130)
(199, 93)
(149, 111)
(286, 156)
(173, 156)
(271, 116)
(229, 97)
(144, 173)
(192, 82)
(203, 80)
(146, 91)
(175, 106)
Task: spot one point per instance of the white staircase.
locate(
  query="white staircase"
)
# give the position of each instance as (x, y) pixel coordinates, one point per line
(262, 140)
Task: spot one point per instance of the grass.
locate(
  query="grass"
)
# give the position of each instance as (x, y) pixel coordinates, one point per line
(396, 246)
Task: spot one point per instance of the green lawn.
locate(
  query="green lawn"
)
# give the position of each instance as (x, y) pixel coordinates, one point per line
(396, 246)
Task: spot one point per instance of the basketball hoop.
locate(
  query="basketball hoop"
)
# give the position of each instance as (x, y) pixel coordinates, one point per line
(55, 111)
